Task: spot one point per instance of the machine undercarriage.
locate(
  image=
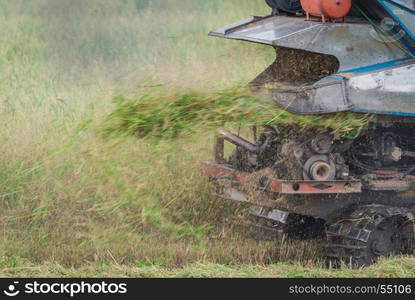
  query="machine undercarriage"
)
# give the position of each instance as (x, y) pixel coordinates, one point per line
(349, 189)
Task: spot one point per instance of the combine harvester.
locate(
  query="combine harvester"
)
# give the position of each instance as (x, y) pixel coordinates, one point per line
(359, 193)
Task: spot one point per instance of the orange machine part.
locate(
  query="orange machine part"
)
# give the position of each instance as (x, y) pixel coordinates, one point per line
(327, 9)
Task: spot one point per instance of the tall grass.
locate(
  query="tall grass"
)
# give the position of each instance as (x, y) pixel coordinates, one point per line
(69, 197)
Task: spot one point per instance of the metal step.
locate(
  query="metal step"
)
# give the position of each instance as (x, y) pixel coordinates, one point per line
(269, 214)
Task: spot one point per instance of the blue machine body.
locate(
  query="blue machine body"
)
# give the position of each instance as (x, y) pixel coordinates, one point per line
(375, 52)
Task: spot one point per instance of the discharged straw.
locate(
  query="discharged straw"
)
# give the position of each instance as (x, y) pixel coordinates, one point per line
(166, 114)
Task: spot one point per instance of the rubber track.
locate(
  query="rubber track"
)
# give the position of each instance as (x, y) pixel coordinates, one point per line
(347, 240)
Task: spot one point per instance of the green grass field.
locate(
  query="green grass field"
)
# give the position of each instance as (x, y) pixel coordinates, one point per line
(75, 204)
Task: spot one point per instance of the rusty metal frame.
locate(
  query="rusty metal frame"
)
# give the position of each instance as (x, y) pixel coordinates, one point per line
(217, 171)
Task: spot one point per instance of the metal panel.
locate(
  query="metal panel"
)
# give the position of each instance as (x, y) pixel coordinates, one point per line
(288, 187)
(374, 77)
(354, 44)
(270, 214)
(328, 97)
(403, 12)
(390, 91)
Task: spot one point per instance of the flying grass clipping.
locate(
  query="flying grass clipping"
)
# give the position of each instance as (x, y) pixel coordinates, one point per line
(169, 114)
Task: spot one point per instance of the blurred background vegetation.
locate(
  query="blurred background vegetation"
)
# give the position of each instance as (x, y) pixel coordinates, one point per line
(67, 196)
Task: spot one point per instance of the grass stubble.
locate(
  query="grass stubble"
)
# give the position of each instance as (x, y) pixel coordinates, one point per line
(74, 204)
